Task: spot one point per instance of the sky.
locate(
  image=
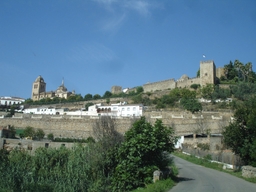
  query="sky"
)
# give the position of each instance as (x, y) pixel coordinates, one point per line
(95, 44)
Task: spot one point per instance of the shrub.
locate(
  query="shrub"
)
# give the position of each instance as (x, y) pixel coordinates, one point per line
(141, 153)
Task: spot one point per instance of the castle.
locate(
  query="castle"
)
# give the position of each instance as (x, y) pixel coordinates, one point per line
(208, 75)
(39, 90)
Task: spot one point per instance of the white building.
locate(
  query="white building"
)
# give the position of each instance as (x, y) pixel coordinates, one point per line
(45, 111)
(8, 101)
(118, 109)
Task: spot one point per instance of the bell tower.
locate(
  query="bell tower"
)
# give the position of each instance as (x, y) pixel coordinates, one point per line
(38, 88)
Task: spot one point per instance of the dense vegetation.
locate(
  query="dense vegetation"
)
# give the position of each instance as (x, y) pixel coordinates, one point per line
(112, 163)
(240, 135)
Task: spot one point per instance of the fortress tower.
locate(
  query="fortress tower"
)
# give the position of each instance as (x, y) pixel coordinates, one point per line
(116, 89)
(38, 88)
(207, 73)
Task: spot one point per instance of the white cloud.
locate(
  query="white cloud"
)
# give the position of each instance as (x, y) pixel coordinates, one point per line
(113, 23)
(120, 10)
(141, 6)
(92, 53)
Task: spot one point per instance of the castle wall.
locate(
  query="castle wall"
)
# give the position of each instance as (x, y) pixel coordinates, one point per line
(160, 85)
(220, 72)
(186, 83)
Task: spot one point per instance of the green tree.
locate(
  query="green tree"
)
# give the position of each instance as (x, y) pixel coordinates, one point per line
(88, 97)
(50, 136)
(230, 71)
(107, 94)
(53, 100)
(87, 105)
(240, 135)
(13, 131)
(29, 132)
(139, 89)
(79, 97)
(142, 152)
(103, 152)
(39, 134)
(198, 73)
(191, 104)
(137, 99)
(11, 112)
(96, 96)
(220, 93)
(195, 86)
(29, 101)
(71, 98)
(243, 90)
(206, 91)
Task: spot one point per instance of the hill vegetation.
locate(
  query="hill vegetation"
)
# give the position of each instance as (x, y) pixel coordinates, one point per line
(112, 163)
(237, 83)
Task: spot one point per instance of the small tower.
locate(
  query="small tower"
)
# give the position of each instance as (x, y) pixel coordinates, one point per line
(38, 88)
(207, 73)
(116, 89)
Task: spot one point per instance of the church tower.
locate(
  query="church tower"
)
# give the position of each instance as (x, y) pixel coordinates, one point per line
(38, 88)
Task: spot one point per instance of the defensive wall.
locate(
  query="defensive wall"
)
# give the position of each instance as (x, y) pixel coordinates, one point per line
(208, 75)
(186, 83)
(184, 123)
(160, 85)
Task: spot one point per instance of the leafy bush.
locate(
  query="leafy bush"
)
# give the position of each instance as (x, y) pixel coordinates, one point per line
(191, 105)
(50, 136)
(141, 153)
(240, 135)
(195, 86)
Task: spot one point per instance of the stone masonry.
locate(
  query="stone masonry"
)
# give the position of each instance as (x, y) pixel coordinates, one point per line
(184, 123)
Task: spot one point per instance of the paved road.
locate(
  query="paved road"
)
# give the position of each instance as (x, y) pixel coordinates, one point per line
(195, 178)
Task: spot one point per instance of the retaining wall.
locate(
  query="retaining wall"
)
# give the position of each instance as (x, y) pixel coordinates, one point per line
(184, 123)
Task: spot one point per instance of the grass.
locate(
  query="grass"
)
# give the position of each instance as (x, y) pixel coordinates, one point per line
(217, 166)
(158, 186)
(161, 185)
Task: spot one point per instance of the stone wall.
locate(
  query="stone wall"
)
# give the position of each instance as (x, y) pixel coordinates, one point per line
(31, 146)
(160, 85)
(184, 123)
(186, 83)
(220, 72)
(249, 171)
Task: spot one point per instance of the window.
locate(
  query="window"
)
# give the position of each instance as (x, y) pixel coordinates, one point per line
(128, 109)
(134, 108)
